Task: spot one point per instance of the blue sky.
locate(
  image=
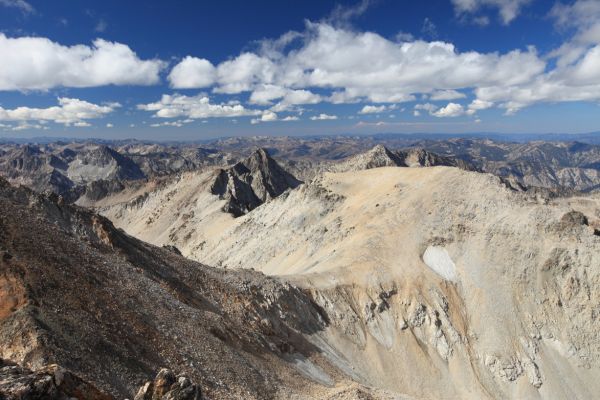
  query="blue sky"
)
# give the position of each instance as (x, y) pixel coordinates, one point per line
(192, 70)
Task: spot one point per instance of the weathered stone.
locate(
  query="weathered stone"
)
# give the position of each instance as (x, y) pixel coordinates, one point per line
(166, 386)
(49, 383)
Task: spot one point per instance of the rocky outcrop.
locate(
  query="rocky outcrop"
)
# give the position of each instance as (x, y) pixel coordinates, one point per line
(168, 386)
(48, 383)
(418, 157)
(378, 156)
(251, 182)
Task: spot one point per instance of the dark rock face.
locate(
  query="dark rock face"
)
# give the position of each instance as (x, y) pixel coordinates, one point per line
(97, 190)
(574, 218)
(158, 160)
(167, 386)
(251, 182)
(49, 383)
(30, 166)
(172, 249)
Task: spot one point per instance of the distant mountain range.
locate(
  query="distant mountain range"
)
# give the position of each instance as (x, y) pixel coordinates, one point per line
(589, 137)
(96, 168)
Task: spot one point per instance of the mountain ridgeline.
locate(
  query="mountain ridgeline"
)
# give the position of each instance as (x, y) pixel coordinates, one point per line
(187, 273)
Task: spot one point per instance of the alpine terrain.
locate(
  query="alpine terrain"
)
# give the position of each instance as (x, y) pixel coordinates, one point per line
(300, 200)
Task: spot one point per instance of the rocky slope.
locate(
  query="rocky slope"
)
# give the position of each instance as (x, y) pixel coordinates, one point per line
(438, 282)
(187, 212)
(558, 162)
(28, 165)
(76, 292)
(161, 160)
(566, 165)
(385, 282)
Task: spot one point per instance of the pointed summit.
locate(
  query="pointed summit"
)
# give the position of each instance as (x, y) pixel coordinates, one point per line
(251, 182)
(379, 156)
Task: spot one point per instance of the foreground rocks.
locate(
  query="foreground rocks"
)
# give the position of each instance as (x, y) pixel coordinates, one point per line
(49, 383)
(56, 383)
(167, 386)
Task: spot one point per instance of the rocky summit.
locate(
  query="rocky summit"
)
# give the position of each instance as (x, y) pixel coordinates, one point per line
(251, 182)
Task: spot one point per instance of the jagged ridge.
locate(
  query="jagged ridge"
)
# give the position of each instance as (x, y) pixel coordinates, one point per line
(251, 182)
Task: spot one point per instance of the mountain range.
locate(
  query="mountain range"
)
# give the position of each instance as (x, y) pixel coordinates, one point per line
(422, 272)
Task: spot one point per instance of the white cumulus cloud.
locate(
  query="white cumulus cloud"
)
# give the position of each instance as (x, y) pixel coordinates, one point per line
(195, 107)
(267, 116)
(191, 73)
(365, 66)
(36, 63)
(369, 109)
(323, 117)
(243, 72)
(477, 105)
(451, 110)
(70, 112)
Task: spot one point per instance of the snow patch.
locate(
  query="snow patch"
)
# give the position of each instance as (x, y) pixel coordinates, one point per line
(438, 259)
